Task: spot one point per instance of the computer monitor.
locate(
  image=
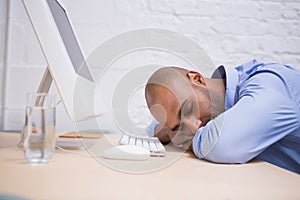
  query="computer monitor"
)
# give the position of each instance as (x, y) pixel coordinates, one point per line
(76, 85)
(64, 57)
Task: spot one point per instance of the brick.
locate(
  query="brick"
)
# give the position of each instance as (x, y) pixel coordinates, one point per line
(14, 119)
(159, 7)
(291, 10)
(231, 32)
(291, 28)
(3, 11)
(186, 7)
(239, 9)
(246, 45)
(248, 9)
(23, 46)
(290, 59)
(271, 10)
(291, 46)
(280, 45)
(16, 46)
(20, 80)
(200, 25)
(92, 11)
(210, 8)
(273, 28)
(3, 22)
(269, 44)
(17, 10)
(2, 40)
(235, 26)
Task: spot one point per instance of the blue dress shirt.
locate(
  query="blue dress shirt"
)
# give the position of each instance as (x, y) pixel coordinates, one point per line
(261, 118)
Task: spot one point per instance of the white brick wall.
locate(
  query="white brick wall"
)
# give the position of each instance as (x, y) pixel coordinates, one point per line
(3, 23)
(231, 32)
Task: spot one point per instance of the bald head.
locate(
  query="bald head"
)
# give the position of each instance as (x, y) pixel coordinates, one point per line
(184, 99)
(166, 90)
(168, 76)
(173, 79)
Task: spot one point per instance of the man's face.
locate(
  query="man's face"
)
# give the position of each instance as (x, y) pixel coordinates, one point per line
(179, 111)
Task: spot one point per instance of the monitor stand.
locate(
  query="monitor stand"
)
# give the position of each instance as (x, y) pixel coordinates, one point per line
(44, 87)
(46, 82)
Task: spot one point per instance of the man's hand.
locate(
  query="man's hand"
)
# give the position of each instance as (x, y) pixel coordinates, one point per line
(183, 140)
(163, 133)
(178, 137)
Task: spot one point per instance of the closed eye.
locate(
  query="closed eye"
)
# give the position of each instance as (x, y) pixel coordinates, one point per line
(175, 127)
(187, 107)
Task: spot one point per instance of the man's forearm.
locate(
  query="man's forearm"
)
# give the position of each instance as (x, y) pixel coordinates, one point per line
(162, 133)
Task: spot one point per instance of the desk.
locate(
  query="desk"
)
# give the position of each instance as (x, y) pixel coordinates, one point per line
(70, 176)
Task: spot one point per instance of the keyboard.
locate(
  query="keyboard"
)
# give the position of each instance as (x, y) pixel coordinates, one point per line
(151, 143)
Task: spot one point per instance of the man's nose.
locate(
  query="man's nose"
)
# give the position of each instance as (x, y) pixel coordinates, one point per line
(190, 125)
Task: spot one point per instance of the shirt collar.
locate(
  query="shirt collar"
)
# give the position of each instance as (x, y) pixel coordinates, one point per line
(232, 79)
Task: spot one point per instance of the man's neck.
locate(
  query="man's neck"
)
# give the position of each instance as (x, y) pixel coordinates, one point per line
(217, 89)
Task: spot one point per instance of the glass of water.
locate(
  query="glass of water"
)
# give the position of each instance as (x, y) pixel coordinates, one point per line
(39, 129)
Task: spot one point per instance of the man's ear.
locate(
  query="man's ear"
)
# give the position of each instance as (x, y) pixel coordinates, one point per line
(196, 78)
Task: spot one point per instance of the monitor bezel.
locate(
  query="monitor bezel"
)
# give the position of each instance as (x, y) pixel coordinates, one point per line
(67, 81)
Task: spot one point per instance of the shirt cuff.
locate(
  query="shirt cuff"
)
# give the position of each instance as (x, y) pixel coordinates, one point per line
(197, 143)
(150, 129)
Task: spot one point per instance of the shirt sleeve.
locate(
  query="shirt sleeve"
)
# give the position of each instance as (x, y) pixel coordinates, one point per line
(151, 128)
(261, 117)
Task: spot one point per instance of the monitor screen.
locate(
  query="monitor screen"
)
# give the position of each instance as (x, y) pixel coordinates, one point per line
(69, 39)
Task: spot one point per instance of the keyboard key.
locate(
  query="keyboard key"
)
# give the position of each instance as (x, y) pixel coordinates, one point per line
(152, 146)
(151, 143)
(139, 142)
(159, 146)
(146, 144)
(132, 140)
(124, 139)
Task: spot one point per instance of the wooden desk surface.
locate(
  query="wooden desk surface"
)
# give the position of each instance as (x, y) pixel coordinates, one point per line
(71, 176)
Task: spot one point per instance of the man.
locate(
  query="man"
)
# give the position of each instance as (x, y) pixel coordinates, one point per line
(236, 115)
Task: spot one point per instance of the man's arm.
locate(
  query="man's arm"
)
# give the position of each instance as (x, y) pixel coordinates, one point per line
(163, 133)
(260, 118)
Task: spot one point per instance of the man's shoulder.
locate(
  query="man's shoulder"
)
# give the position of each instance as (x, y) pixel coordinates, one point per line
(254, 67)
